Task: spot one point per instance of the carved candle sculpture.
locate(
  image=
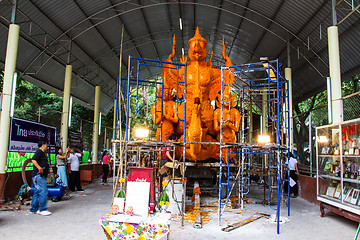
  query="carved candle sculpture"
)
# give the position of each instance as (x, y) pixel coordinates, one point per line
(168, 111)
(203, 83)
(231, 122)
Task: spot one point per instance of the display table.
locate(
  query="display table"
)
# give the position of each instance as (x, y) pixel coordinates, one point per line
(153, 227)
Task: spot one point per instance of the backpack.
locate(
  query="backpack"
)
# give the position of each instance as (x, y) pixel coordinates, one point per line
(24, 192)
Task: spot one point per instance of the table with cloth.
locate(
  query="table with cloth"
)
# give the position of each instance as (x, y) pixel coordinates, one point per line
(152, 227)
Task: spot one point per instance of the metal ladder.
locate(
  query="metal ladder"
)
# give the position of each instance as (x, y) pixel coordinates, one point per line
(224, 147)
(225, 183)
(246, 100)
(277, 187)
(245, 173)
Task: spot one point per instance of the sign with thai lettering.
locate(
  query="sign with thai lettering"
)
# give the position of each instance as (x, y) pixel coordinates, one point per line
(25, 135)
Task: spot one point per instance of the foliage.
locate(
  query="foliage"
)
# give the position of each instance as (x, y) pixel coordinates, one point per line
(146, 99)
(317, 106)
(36, 104)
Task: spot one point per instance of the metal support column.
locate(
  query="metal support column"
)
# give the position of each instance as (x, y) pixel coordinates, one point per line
(289, 78)
(96, 125)
(65, 108)
(10, 64)
(335, 74)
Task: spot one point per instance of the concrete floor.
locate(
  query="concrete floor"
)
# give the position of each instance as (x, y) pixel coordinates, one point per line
(77, 218)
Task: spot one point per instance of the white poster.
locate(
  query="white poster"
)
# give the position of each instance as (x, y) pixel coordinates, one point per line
(137, 197)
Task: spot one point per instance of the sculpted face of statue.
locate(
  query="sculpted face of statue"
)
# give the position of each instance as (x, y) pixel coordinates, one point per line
(197, 47)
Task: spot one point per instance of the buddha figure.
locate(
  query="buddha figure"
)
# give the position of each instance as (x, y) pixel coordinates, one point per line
(203, 82)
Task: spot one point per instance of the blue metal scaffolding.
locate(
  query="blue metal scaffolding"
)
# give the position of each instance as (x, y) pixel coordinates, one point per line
(278, 112)
(130, 86)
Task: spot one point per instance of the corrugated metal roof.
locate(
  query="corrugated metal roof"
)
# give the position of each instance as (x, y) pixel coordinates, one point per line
(251, 29)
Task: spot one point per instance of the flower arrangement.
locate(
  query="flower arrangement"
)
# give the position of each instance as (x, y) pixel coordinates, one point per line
(119, 199)
(121, 193)
(164, 198)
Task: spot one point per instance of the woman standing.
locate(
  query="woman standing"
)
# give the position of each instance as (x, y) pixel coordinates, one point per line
(294, 173)
(106, 166)
(61, 165)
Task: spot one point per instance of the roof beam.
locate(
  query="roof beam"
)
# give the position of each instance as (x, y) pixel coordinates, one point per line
(96, 29)
(148, 28)
(182, 31)
(239, 27)
(194, 12)
(265, 31)
(157, 40)
(168, 15)
(217, 24)
(130, 37)
(346, 31)
(303, 26)
(61, 30)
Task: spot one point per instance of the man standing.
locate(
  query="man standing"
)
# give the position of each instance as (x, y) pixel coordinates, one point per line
(73, 160)
(40, 171)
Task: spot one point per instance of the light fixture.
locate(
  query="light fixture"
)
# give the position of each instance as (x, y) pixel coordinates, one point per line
(180, 23)
(264, 139)
(183, 52)
(141, 132)
(322, 139)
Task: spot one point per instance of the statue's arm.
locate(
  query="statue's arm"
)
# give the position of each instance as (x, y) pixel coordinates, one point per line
(237, 117)
(216, 121)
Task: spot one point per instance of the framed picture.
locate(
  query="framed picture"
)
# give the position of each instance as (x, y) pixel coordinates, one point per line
(338, 191)
(351, 151)
(349, 195)
(358, 200)
(345, 192)
(330, 191)
(355, 197)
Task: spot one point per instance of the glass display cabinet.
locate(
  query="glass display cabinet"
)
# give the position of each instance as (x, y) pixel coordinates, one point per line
(338, 167)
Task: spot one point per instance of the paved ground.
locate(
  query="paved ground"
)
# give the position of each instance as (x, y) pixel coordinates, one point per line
(77, 218)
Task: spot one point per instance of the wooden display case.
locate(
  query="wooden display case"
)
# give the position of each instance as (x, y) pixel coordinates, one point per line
(338, 167)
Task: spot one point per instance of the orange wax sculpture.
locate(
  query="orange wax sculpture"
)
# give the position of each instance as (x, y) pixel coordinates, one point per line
(168, 118)
(203, 84)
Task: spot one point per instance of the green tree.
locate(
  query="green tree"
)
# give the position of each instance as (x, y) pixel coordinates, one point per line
(34, 103)
(317, 106)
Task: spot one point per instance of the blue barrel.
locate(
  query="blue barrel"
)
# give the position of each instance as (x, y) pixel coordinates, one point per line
(53, 191)
(57, 191)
